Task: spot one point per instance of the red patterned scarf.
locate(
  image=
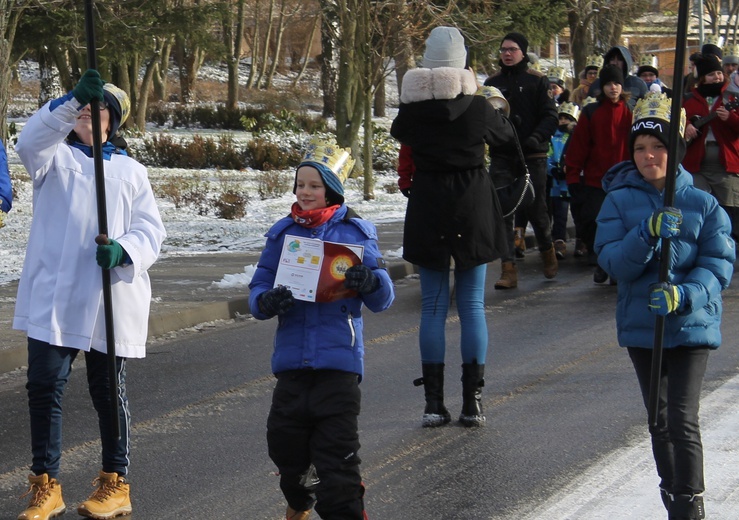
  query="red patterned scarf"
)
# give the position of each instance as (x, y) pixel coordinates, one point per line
(313, 217)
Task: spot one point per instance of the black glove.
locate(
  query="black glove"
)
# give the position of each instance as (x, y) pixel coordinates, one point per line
(559, 173)
(406, 192)
(532, 142)
(90, 87)
(361, 279)
(276, 302)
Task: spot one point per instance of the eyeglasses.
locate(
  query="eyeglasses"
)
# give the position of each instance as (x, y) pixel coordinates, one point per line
(509, 50)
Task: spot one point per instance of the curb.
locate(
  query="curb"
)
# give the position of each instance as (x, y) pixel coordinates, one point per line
(159, 324)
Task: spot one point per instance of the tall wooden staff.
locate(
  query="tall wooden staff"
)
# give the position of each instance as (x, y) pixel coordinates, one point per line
(102, 238)
(672, 164)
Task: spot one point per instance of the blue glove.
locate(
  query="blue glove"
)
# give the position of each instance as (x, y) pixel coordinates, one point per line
(663, 223)
(665, 298)
(89, 87)
(361, 278)
(276, 302)
(110, 254)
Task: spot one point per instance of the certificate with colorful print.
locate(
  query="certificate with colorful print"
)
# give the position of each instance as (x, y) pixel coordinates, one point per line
(314, 269)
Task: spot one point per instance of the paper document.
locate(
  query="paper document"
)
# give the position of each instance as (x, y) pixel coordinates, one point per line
(314, 269)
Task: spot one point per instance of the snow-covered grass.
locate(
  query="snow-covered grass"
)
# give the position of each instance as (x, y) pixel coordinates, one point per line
(188, 232)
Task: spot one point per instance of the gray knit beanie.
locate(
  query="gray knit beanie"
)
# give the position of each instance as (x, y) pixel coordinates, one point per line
(445, 48)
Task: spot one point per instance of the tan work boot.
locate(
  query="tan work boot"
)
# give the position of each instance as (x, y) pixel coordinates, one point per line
(297, 515)
(519, 241)
(549, 257)
(508, 276)
(110, 499)
(46, 498)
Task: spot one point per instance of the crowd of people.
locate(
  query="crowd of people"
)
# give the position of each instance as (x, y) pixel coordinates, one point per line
(598, 152)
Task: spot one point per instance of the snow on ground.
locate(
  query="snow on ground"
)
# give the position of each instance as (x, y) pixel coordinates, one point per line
(190, 233)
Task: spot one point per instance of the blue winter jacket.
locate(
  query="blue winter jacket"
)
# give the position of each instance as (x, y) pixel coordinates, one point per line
(6, 191)
(322, 335)
(701, 259)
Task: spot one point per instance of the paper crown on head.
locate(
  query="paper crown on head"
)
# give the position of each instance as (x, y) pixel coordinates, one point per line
(731, 54)
(712, 39)
(655, 106)
(569, 109)
(495, 97)
(557, 75)
(535, 66)
(119, 103)
(594, 61)
(588, 100)
(648, 60)
(332, 157)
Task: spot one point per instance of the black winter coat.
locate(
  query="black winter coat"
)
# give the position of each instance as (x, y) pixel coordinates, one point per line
(533, 111)
(452, 209)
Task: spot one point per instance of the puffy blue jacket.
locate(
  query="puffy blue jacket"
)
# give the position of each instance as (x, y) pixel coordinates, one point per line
(322, 335)
(6, 191)
(701, 258)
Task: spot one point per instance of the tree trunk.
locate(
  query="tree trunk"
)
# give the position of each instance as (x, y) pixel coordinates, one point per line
(329, 66)
(49, 87)
(255, 42)
(281, 22)
(232, 37)
(380, 97)
(306, 53)
(161, 68)
(403, 50)
(10, 13)
(265, 51)
(146, 84)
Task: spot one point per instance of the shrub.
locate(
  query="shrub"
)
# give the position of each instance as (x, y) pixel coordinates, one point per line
(182, 193)
(274, 184)
(230, 204)
(202, 152)
(265, 155)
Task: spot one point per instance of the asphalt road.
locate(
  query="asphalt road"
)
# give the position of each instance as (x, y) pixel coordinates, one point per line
(559, 396)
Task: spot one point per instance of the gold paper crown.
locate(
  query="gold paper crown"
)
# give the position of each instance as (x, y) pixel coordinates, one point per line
(338, 160)
(730, 50)
(656, 105)
(557, 73)
(713, 40)
(570, 109)
(588, 100)
(648, 60)
(535, 66)
(495, 97)
(594, 61)
(123, 100)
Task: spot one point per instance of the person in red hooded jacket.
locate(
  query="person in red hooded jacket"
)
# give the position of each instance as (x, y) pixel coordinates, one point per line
(713, 151)
(600, 140)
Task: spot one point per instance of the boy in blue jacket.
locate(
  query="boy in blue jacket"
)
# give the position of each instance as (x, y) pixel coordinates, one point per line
(631, 227)
(6, 190)
(559, 195)
(312, 429)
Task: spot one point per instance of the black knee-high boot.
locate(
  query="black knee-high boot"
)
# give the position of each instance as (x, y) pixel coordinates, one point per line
(435, 413)
(473, 379)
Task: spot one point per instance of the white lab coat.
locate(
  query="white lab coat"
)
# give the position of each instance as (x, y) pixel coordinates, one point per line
(60, 292)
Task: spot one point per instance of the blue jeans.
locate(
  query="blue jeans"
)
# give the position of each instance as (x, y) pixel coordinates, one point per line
(676, 439)
(49, 367)
(470, 297)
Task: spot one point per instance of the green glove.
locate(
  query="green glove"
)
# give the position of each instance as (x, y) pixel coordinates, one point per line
(110, 255)
(90, 87)
(664, 298)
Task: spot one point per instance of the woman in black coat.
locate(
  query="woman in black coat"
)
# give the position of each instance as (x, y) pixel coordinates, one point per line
(453, 212)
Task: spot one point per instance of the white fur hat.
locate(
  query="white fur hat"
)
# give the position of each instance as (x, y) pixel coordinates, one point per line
(445, 48)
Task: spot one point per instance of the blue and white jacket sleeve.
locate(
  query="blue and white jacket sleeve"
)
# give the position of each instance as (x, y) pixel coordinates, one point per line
(6, 190)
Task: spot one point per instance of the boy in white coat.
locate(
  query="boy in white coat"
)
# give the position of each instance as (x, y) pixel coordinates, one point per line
(60, 303)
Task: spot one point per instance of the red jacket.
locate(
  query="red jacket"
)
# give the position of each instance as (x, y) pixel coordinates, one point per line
(406, 168)
(600, 140)
(726, 133)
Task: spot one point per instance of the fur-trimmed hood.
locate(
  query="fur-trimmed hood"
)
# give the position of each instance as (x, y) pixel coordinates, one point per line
(439, 83)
